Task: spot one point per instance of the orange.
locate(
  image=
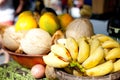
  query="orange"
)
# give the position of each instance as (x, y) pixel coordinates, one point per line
(65, 19)
(25, 23)
(49, 22)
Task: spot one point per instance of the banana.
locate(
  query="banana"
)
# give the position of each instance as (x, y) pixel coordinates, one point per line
(60, 51)
(54, 61)
(106, 51)
(102, 61)
(72, 46)
(89, 40)
(96, 36)
(61, 41)
(116, 66)
(95, 43)
(113, 54)
(101, 69)
(84, 51)
(102, 37)
(81, 38)
(94, 59)
(110, 44)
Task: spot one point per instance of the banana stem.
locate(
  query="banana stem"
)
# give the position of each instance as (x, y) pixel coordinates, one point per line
(76, 65)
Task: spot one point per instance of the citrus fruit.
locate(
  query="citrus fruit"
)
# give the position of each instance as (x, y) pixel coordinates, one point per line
(49, 22)
(25, 23)
(65, 19)
(25, 13)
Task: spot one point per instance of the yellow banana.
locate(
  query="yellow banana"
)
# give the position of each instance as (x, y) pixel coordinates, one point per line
(116, 66)
(54, 61)
(102, 37)
(81, 38)
(113, 54)
(102, 61)
(89, 40)
(94, 59)
(110, 44)
(95, 43)
(106, 51)
(101, 69)
(84, 51)
(96, 36)
(60, 51)
(72, 46)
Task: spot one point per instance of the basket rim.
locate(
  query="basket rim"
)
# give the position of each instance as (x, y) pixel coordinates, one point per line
(22, 55)
(62, 73)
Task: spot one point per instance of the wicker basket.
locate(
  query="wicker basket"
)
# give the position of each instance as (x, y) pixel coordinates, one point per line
(61, 75)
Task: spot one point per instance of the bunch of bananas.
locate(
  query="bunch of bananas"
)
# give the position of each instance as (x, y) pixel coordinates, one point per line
(97, 55)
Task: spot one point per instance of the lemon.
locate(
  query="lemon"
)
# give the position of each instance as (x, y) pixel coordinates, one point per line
(25, 13)
(25, 23)
(65, 19)
(49, 22)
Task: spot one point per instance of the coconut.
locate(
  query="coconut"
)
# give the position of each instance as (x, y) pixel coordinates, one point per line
(79, 27)
(11, 38)
(36, 41)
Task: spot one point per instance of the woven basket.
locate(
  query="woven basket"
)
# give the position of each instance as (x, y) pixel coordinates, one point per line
(61, 75)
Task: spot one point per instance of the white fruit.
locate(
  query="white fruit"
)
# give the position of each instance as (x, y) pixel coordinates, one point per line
(36, 41)
(11, 38)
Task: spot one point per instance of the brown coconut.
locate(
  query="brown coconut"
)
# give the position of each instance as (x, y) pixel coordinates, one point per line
(79, 27)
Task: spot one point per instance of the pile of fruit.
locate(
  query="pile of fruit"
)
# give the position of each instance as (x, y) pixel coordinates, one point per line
(31, 32)
(32, 35)
(97, 55)
(69, 43)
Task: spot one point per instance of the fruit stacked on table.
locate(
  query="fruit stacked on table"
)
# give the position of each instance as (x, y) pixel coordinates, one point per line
(67, 43)
(32, 35)
(97, 55)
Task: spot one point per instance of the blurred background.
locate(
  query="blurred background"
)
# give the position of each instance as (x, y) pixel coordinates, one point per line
(95, 9)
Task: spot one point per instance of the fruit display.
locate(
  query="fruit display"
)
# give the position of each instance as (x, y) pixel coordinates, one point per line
(69, 45)
(97, 55)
